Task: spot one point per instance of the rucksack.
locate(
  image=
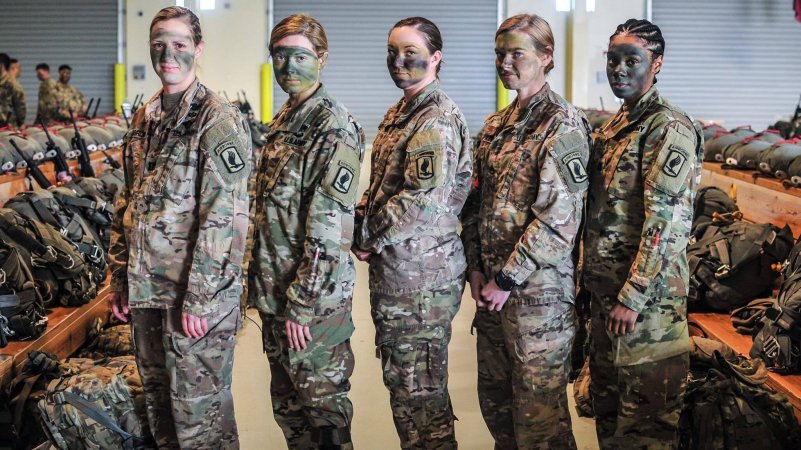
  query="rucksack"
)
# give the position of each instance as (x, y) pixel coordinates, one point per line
(101, 407)
(115, 340)
(47, 206)
(776, 160)
(22, 312)
(726, 407)
(709, 201)
(778, 342)
(745, 154)
(733, 262)
(57, 266)
(748, 319)
(581, 392)
(713, 148)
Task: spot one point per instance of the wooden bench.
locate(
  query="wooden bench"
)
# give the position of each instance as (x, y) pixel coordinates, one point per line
(67, 327)
(763, 200)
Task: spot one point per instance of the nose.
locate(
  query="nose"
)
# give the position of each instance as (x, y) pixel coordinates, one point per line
(507, 61)
(397, 62)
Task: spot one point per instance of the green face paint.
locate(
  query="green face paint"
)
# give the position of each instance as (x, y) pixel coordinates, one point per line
(516, 60)
(628, 68)
(407, 64)
(172, 55)
(297, 69)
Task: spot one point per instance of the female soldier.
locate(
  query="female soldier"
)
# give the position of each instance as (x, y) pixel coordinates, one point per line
(406, 227)
(644, 172)
(301, 274)
(520, 225)
(178, 240)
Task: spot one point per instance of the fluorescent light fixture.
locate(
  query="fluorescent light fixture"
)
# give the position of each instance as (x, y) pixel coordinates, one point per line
(563, 5)
(590, 5)
(179, 3)
(206, 4)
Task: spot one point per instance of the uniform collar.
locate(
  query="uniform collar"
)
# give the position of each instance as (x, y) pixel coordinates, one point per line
(403, 109)
(153, 107)
(286, 117)
(626, 116)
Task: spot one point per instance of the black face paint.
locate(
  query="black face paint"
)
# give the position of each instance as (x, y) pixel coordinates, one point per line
(628, 69)
(408, 65)
(296, 69)
(172, 55)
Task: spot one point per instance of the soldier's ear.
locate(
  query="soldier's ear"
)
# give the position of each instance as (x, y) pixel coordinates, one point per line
(323, 59)
(656, 65)
(199, 49)
(436, 58)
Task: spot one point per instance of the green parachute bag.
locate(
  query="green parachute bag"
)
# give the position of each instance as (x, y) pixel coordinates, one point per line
(102, 407)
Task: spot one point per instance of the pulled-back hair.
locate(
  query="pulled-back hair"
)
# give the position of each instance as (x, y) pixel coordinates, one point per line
(644, 30)
(304, 25)
(537, 29)
(428, 29)
(179, 12)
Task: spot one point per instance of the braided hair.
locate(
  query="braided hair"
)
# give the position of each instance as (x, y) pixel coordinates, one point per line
(647, 32)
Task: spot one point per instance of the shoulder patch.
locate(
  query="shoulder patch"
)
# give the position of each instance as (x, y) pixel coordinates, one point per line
(571, 152)
(675, 159)
(424, 167)
(341, 181)
(225, 148)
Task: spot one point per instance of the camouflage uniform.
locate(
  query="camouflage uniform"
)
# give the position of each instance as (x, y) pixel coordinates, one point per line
(522, 218)
(301, 269)
(46, 100)
(407, 218)
(67, 97)
(644, 171)
(12, 102)
(178, 240)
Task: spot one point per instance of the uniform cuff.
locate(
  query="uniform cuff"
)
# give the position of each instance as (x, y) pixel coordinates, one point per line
(118, 285)
(299, 314)
(516, 272)
(631, 297)
(196, 306)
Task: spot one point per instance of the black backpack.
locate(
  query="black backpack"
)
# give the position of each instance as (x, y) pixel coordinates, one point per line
(778, 342)
(22, 312)
(726, 406)
(57, 266)
(711, 202)
(732, 262)
(47, 207)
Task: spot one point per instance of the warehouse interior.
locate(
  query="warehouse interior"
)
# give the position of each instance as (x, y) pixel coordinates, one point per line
(730, 64)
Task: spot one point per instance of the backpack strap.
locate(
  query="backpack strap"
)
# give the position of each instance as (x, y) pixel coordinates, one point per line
(129, 441)
(86, 203)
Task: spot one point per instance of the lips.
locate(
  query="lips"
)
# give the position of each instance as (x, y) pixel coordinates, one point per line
(619, 85)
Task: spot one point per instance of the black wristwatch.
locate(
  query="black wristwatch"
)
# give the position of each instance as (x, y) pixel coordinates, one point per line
(504, 281)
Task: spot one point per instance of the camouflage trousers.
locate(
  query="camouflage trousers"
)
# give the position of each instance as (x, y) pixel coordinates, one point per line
(309, 388)
(523, 366)
(187, 381)
(636, 406)
(412, 335)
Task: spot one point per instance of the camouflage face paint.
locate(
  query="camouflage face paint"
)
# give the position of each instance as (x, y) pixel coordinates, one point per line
(516, 60)
(407, 64)
(628, 69)
(297, 69)
(172, 55)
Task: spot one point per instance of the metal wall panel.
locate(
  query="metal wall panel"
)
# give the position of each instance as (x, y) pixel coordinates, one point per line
(735, 60)
(357, 75)
(80, 33)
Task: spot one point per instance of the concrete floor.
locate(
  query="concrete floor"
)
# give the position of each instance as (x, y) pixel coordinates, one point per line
(372, 421)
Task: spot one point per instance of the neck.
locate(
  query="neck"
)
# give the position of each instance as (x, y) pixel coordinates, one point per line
(525, 94)
(179, 87)
(296, 100)
(630, 102)
(417, 88)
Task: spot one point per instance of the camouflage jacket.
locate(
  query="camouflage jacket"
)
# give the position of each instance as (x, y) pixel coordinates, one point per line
(419, 180)
(178, 237)
(644, 172)
(12, 102)
(46, 100)
(66, 98)
(306, 189)
(529, 183)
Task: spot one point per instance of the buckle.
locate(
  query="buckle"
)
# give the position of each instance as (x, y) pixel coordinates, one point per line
(771, 347)
(4, 326)
(96, 255)
(722, 271)
(2, 276)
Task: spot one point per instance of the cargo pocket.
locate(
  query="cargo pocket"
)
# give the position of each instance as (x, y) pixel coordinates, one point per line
(179, 175)
(662, 331)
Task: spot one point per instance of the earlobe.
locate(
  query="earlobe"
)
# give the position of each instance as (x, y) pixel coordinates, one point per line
(199, 50)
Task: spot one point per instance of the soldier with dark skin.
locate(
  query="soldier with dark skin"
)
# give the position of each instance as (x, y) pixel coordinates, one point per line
(406, 229)
(301, 275)
(66, 97)
(520, 227)
(178, 243)
(644, 172)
